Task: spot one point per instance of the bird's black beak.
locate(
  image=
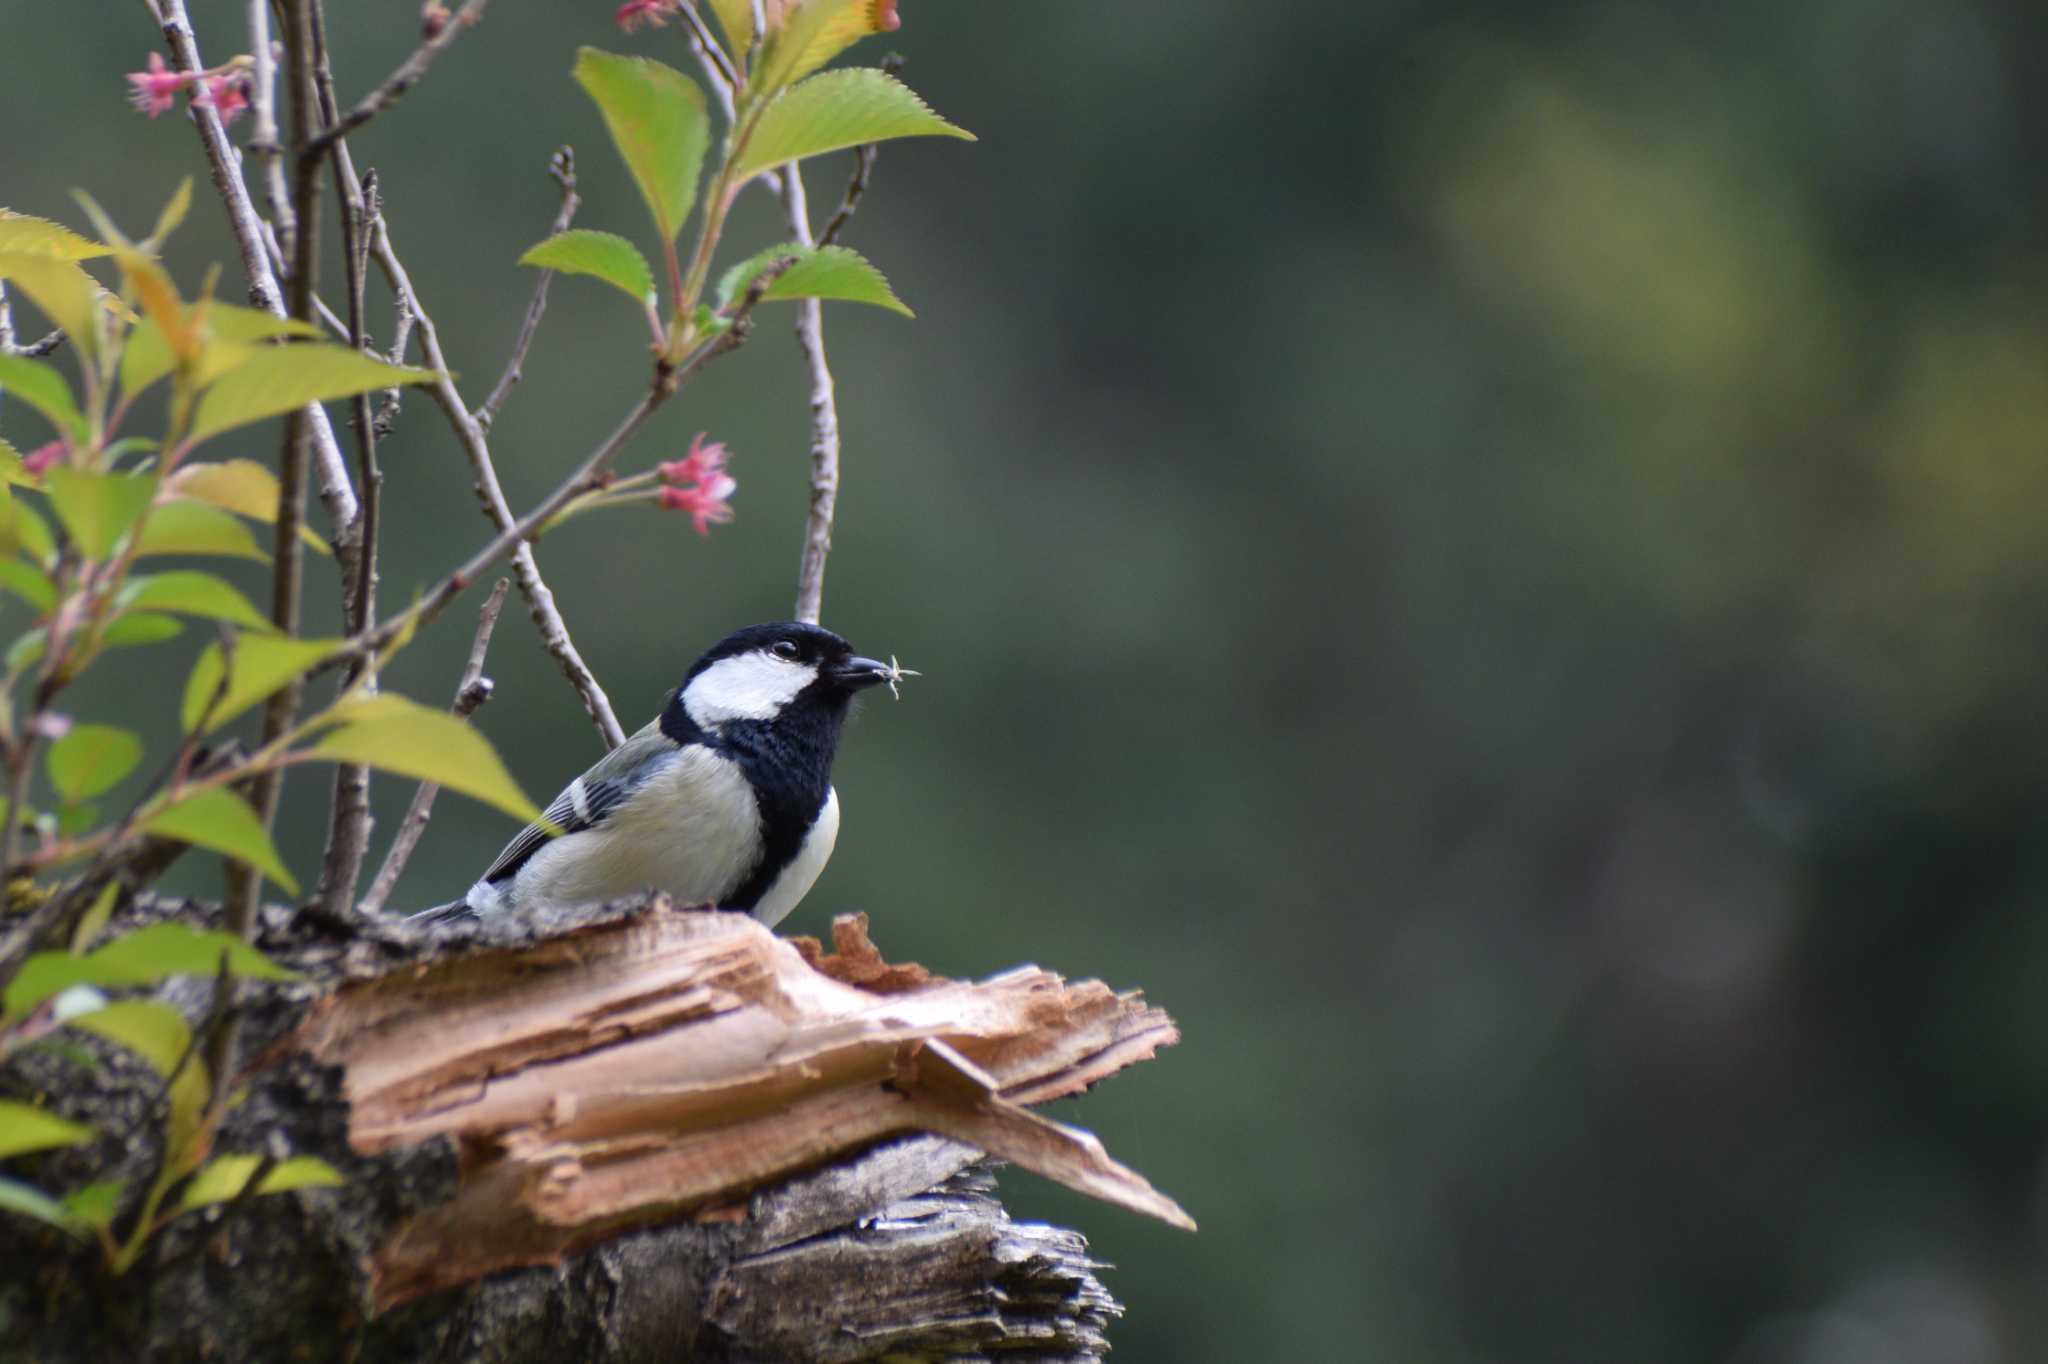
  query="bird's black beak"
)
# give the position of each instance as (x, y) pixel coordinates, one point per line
(855, 673)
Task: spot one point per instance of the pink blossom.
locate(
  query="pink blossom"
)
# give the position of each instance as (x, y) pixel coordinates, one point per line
(700, 464)
(228, 94)
(152, 89)
(706, 502)
(634, 13)
(42, 457)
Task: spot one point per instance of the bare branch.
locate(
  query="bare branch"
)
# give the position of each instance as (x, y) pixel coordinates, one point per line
(547, 618)
(562, 166)
(810, 335)
(398, 82)
(263, 139)
(331, 471)
(471, 692)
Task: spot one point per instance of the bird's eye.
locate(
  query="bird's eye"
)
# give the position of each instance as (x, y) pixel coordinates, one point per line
(785, 648)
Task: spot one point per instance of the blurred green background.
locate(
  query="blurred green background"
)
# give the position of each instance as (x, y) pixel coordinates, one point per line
(1487, 558)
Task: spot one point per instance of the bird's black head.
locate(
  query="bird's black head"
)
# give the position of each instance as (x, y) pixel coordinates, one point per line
(784, 670)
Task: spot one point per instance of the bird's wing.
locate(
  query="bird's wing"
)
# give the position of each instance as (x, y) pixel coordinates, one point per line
(589, 800)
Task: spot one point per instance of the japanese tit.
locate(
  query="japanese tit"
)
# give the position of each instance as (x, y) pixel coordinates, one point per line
(723, 799)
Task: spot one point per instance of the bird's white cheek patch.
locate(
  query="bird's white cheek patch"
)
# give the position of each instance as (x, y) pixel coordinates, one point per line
(748, 687)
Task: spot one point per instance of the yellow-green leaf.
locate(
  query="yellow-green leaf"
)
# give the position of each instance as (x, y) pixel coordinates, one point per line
(657, 120)
(28, 582)
(173, 214)
(262, 664)
(40, 236)
(827, 272)
(34, 533)
(67, 295)
(282, 378)
(182, 527)
(839, 109)
(97, 509)
(143, 957)
(95, 917)
(92, 759)
(24, 1127)
(224, 1178)
(221, 820)
(601, 255)
(240, 485)
(396, 735)
(193, 593)
(43, 388)
(146, 357)
(155, 1032)
(30, 1201)
(139, 627)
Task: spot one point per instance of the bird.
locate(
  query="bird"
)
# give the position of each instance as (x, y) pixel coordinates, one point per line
(725, 798)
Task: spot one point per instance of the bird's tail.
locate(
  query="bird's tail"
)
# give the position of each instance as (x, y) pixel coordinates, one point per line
(453, 912)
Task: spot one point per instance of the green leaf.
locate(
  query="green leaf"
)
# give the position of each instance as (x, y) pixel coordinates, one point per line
(43, 388)
(28, 582)
(94, 920)
(657, 120)
(221, 820)
(138, 628)
(281, 378)
(30, 1201)
(13, 472)
(76, 819)
(26, 650)
(241, 486)
(182, 527)
(63, 291)
(97, 509)
(600, 255)
(173, 214)
(396, 735)
(143, 957)
(835, 110)
(92, 759)
(155, 1032)
(262, 664)
(39, 236)
(224, 1178)
(193, 593)
(24, 1127)
(828, 272)
(146, 357)
(34, 533)
(812, 35)
(95, 1204)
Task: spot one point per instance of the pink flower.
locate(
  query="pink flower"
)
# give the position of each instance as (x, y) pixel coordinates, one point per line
(228, 94)
(706, 502)
(699, 465)
(152, 89)
(634, 13)
(42, 457)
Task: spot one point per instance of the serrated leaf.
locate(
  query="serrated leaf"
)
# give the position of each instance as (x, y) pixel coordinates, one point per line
(40, 236)
(827, 272)
(182, 527)
(239, 485)
(24, 1127)
(137, 628)
(28, 582)
(30, 1201)
(65, 293)
(222, 821)
(835, 110)
(262, 664)
(281, 378)
(143, 957)
(97, 509)
(828, 29)
(13, 472)
(657, 120)
(146, 357)
(95, 1204)
(224, 1177)
(91, 760)
(193, 593)
(155, 1032)
(43, 388)
(601, 255)
(396, 735)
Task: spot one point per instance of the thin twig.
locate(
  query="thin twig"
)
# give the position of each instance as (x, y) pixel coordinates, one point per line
(547, 617)
(398, 82)
(561, 166)
(863, 167)
(336, 494)
(707, 46)
(263, 141)
(810, 335)
(472, 691)
(37, 348)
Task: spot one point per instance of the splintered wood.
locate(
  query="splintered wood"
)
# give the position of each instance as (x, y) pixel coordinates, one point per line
(665, 1066)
